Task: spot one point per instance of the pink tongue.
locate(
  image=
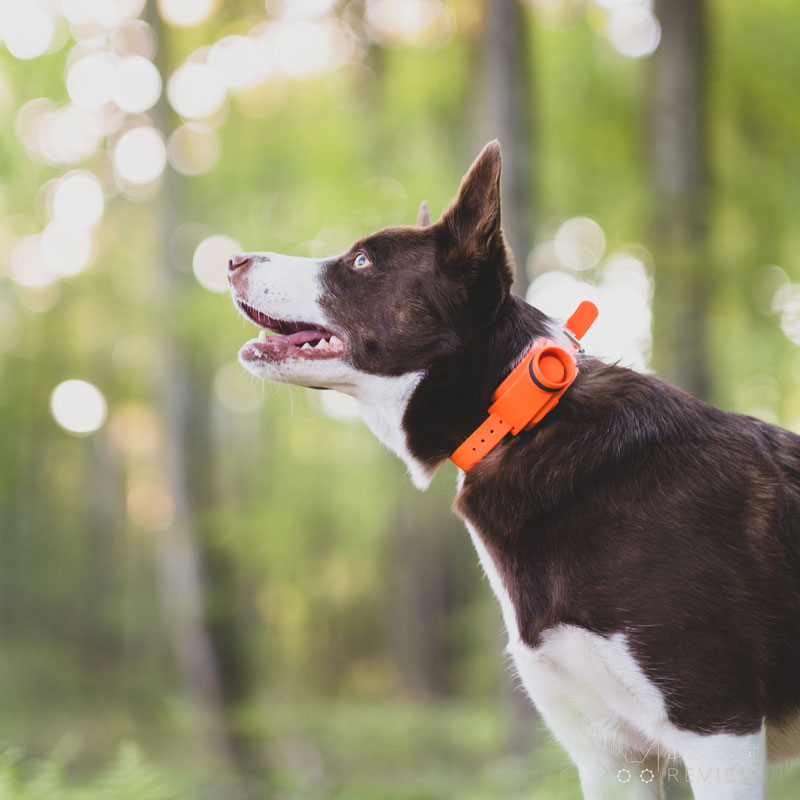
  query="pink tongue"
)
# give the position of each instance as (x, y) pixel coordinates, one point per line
(301, 337)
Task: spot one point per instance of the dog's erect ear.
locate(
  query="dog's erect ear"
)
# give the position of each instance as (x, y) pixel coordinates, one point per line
(423, 215)
(473, 220)
(472, 247)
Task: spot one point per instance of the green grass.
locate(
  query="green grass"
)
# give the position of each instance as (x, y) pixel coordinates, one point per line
(334, 751)
(128, 777)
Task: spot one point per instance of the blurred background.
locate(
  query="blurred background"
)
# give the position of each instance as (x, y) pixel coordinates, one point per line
(214, 588)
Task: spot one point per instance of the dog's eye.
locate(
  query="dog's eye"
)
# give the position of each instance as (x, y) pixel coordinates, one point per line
(361, 261)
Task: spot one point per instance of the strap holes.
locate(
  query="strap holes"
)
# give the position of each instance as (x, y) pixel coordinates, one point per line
(492, 430)
(483, 440)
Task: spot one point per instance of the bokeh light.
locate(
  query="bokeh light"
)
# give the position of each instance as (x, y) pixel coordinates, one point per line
(28, 118)
(27, 266)
(633, 30)
(140, 155)
(78, 406)
(78, 199)
(27, 29)
(771, 281)
(409, 22)
(68, 135)
(185, 12)
(623, 296)
(192, 150)
(579, 243)
(304, 49)
(196, 91)
(102, 14)
(242, 62)
(66, 250)
(137, 84)
(299, 9)
(786, 303)
(210, 262)
(134, 38)
(91, 80)
(59, 135)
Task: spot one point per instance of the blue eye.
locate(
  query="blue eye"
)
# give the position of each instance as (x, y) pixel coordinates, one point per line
(361, 261)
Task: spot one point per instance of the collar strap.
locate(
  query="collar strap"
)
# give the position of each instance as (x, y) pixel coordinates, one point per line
(530, 391)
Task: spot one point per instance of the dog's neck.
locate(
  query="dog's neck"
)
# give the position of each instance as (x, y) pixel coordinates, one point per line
(424, 417)
(383, 402)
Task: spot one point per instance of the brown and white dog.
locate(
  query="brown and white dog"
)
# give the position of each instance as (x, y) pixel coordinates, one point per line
(644, 546)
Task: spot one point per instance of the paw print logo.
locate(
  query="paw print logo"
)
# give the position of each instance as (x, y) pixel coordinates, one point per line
(647, 775)
(623, 776)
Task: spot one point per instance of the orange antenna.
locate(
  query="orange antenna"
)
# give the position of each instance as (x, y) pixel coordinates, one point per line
(580, 321)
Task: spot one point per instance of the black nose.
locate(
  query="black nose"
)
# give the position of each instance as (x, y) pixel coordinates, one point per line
(237, 262)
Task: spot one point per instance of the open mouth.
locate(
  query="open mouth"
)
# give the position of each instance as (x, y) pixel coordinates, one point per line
(280, 339)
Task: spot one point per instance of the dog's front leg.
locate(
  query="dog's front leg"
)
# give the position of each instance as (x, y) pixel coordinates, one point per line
(606, 771)
(615, 779)
(725, 766)
(613, 762)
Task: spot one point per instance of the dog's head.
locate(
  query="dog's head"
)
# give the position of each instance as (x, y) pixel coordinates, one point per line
(394, 308)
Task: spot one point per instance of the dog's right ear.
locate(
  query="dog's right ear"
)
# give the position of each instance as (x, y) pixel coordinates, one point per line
(472, 247)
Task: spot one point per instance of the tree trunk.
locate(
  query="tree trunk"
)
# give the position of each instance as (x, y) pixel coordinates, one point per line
(179, 555)
(105, 498)
(683, 283)
(505, 113)
(416, 574)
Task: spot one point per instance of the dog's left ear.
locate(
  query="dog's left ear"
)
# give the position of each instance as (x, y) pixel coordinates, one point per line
(423, 215)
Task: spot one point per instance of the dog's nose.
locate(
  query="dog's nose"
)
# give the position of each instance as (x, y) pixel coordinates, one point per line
(237, 262)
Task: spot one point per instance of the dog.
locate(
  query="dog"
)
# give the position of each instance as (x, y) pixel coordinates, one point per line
(644, 546)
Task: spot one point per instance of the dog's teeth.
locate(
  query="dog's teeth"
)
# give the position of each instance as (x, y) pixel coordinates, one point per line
(262, 336)
(335, 341)
(306, 346)
(322, 344)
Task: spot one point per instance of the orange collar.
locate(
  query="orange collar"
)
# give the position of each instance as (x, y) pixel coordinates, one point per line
(530, 391)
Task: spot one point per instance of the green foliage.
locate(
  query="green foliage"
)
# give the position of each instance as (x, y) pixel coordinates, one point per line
(129, 777)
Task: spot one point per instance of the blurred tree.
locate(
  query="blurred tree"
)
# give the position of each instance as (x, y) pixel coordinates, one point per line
(206, 662)
(684, 269)
(104, 504)
(506, 100)
(430, 569)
